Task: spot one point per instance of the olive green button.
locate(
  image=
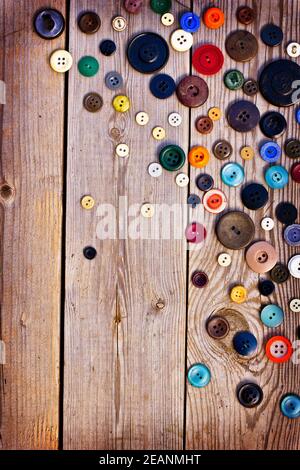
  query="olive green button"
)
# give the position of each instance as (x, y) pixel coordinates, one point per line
(234, 79)
(88, 66)
(172, 157)
(161, 6)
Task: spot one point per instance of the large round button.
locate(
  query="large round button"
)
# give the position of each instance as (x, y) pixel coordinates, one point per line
(92, 102)
(295, 172)
(192, 91)
(276, 177)
(290, 406)
(89, 22)
(266, 287)
(172, 157)
(121, 103)
(235, 230)
(234, 79)
(181, 41)
(161, 6)
(277, 80)
(204, 182)
(261, 257)
(249, 395)
(199, 375)
(245, 15)
(243, 116)
(49, 23)
(195, 233)
(279, 349)
(162, 86)
(272, 315)
(107, 47)
(250, 87)
(147, 52)
(271, 35)
(245, 343)
(241, 46)
(279, 273)
(89, 252)
(213, 18)
(254, 196)
(198, 156)
(190, 22)
(217, 327)
(270, 152)
(133, 6)
(232, 174)
(113, 80)
(292, 148)
(61, 61)
(204, 125)
(294, 266)
(88, 66)
(222, 149)
(286, 213)
(208, 59)
(273, 124)
(214, 201)
(292, 235)
(199, 278)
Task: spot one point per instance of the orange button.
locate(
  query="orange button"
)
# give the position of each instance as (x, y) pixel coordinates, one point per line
(279, 349)
(198, 156)
(213, 18)
(214, 201)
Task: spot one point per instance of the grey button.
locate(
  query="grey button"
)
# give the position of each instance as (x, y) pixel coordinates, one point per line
(113, 80)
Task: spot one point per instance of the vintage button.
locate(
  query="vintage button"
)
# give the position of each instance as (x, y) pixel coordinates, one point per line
(162, 86)
(279, 273)
(195, 233)
(292, 235)
(119, 23)
(193, 200)
(198, 156)
(214, 114)
(286, 213)
(238, 294)
(294, 266)
(89, 252)
(247, 153)
(276, 177)
(295, 172)
(243, 116)
(192, 91)
(190, 22)
(224, 259)
(232, 174)
(276, 82)
(213, 18)
(107, 47)
(235, 230)
(133, 6)
(214, 201)
(241, 46)
(174, 119)
(113, 80)
(204, 125)
(121, 103)
(161, 6)
(122, 150)
(292, 148)
(261, 257)
(61, 61)
(245, 343)
(271, 35)
(155, 169)
(279, 349)
(295, 305)
(89, 22)
(142, 118)
(208, 59)
(272, 315)
(181, 40)
(199, 279)
(167, 19)
(92, 102)
(266, 287)
(273, 124)
(222, 149)
(290, 406)
(49, 23)
(147, 52)
(87, 202)
(293, 49)
(267, 224)
(199, 375)
(158, 133)
(249, 395)
(88, 66)
(245, 15)
(172, 157)
(217, 327)
(250, 87)
(254, 196)
(234, 79)
(147, 210)
(270, 152)
(182, 180)
(204, 182)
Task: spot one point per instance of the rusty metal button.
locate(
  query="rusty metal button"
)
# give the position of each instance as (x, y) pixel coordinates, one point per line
(204, 125)
(199, 279)
(217, 327)
(241, 46)
(235, 230)
(92, 102)
(192, 91)
(279, 273)
(89, 22)
(222, 149)
(243, 116)
(245, 15)
(292, 148)
(261, 257)
(250, 87)
(133, 6)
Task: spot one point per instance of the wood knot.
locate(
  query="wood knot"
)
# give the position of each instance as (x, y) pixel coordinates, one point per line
(7, 193)
(160, 304)
(115, 133)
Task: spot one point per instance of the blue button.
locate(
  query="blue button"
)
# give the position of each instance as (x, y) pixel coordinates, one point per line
(232, 174)
(290, 406)
(276, 177)
(190, 22)
(298, 115)
(292, 235)
(199, 375)
(270, 152)
(162, 86)
(245, 343)
(272, 315)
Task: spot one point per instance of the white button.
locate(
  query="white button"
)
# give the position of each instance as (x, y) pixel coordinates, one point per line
(61, 61)
(122, 150)
(267, 223)
(278, 349)
(147, 210)
(142, 118)
(293, 49)
(155, 169)
(181, 40)
(174, 119)
(295, 305)
(158, 133)
(224, 259)
(294, 266)
(182, 180)
(119, 23)
(167, 19)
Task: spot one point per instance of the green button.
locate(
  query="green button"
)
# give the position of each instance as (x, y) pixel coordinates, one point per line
(234, 79)
(161, 6)
(172, 157)
(88, 66)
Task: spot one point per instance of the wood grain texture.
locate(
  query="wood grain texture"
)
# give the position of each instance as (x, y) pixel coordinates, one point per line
(215, 419)
(31, 146)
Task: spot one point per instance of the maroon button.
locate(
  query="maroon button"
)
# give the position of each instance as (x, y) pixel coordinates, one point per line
(199, 279)
(192, 91)
(208, 59)
(195, 233)
(295, 172)
(133, 6)
(204, 125)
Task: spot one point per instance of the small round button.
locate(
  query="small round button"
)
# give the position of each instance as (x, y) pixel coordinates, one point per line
(270, 152)
(121, 103)
(214, 201)
(267, 224)
(235, 230)
(295, 305)
(92, 102)
(272, 315)
(192, 91)
(217, 327)
(247, 153)
(279, 273)
(292, 235)
(271, 35)
(213, 18)
(254, 196)
(89, 22)
(182, 180)
(279, 349)
(147, 52)
(249, 395)
(266, 287)
(294, 266)
(199, 279)
(245, 343)
(162, 86)
(222, 149)
(113, 80)
(250, 87)
(122, 150)
(204, 182)
(147, 210)
(193, 200)
(232, 174)
(238, 294)
(172, 157)
(174, 119)
(190, 22)
(208, 59)
(276, 177)
(234, 79)
(87, 202)
(245, 15)
(88, 66)
(295, 172)
(273, 124)
(89, 252)
(195, 233)
(167, 19)
(241, 45)
(119, 23)
(107, 47)
(290, 406)
(49, 23)
(286, 212)
(198, 156)
(161, 6)
(261, 257)
(61, 61)
(155, 169)
(199, 375)
(224, 259)
(292, 148)
(243, 116)
(181, 40)
(214, 114)
(142, 118)
(204, 125)
(158, 133)
(293, 49)
(133, 6)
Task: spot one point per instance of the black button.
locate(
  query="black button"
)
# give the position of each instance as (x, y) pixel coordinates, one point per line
(162, 86)
(193, 200)
(292, 148)
(49, 23)
(147, 52)
(249, 395)
(286, 213)
(266, 287)
(243, 116)
(277, 80)
(204, 182)
(254, 196)
(273, 124)
(271, 35)
(279, 273)
(89, 252)
(107, 47)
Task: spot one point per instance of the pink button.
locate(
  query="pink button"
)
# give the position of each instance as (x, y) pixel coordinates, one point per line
(195, 233)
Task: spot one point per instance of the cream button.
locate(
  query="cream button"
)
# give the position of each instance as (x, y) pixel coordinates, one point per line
(142, 118)
(294, 266)
(122, 150)
(182, 180)
(267, 224)
(87, 202)
(119, 23)
(224, 259)
(295, 305)
(181, 40)
(155, 169)
(147, 210)
(174, 119)
(167, 19)
(61, 61)
(158, 133)
(293, 49)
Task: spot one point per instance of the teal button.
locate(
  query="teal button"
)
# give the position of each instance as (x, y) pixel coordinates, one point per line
(161, 6)
(172, 157)
(199, 375)
(272, 315)
(88, 66)
(232, 174)
(276, 177)
(234, 79)
(290, 406)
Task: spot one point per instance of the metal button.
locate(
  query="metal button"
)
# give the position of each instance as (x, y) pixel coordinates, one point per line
(88, 66)
(155, 169)
(89, 252)
(122, 150)
(271, 35)
(241, 46)
(292, 235)
(272, 315)
(250, 87)
(199, 279)
(279, 273)
(273, 124)
(293, 49)
(49, 23)
(245, 343)
(292, 148)
(286, 213)
(247, 153)
(121, 103)
(261, 257)
(199, 375)
(214, 201)
(92, 102)
(61, 61)
(158, 133)
(162, 86)
(208, 59)
(113, 80)
(182, 180)
(249, 395)
(192, 91)
(267, 224)
(217, 327)
(147, 210)
(246, 15)
(235, 230)
(107, 47)
(238, 294)
(276, 82)
(243, 116)
(181, 40)
(290, 406)
(254, 196)
(119, 23)
(174, 119)
(224, 259)
(278, 349)
(214, 114)
(204, 125)
(204, 182)
(89, 22)
(294, 266)
(142, 118)
(222, 149)
(167, 19)
(295, 305)
(87, 202)
(147, 52)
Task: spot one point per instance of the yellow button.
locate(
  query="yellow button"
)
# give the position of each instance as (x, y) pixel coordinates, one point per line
(215, 114)
(122, 150)
(87, 202)
(238, 294)
(61, 61)
(167, 19)
(121, 103)
(158, 133)
(119, 23)
(247, 153)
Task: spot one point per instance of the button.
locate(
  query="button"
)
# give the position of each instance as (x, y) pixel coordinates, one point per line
(295, 172)
(87, 202)
(217, 327)
(243, 116)
(245, 15)
(204, 182)
(119, 23)
(107, 47)
(162, 86)
(276, 82)
(133, 6)
(293, 49)
(247, 153)
(292, 235)
(292, 148)
(147, 52)
(172, 157)
(199, 375)
(234, 79)
(232, 174)
(295, 305)
(113, 80)
(121, 103)
(249, 395)
(270, 152)
(199, 279)
(215, 114)
(192, 91)
(89, 22)
(241, 46)
(224, 259)
(193, 200)
(273, 124)
(272, 315)
(294, 266)
(204, 125)
(49, 23)
(122, 150)
(158, 133)
(198, 156)
(214, 201)
(298, 115)
(222, 149)
(245, 343)
(142, 118)
(147, 210)
(92, 102)
(161, 6)
(271, 35)
(208, 59)
(286, 213)
(279, 273)
(195, 233)
(261, 257)
(174, 119)
(88, 66)
(213, 18)
(266, 287)
(182, 180)
(190, 22)
(167, 19)
(235, 230)
(279, 349)
(155, 169)
(276, 177)
(254, 196)
(89, 252)
(290, 406)
(61, 61)
(238, 294)
(181, 41)
(250, 87)
(267, 224)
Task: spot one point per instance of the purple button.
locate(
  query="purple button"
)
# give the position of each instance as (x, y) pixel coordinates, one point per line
(292, 235)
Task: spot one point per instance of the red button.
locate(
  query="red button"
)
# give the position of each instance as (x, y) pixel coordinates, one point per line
(208, 59)
(295, 172)
(195, 233)
(279, 349)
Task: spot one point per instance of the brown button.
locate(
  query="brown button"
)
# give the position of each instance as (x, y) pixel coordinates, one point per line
(192, 91)
(222, 149)
(217, 327)
(250, 87)
(204, 125)
(93, 102)
(292, 148)
(89, 22)
(235, 230)
(261, 257)
(245, 15)
(241, 46)
(279, 273)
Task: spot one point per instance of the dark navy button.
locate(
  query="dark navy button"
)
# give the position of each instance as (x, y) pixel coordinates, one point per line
(277, 81)
(292, 235)
(243, 116)
(276, 177)
(254, 196)
(204, 182)
(49, 23)
(232, 174)
(272, 315)
(279, 273)
(292, 148)
(270, 152)
(147, 52)
(199, 375)
(271, 35)
(273, 124)
(244, 343)
(193, 200)
(249, 395)
(162, 86)
(290, 406)
(286, 213)
(190, 22)
(266, 287)
(89, 252)
(107, 47)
